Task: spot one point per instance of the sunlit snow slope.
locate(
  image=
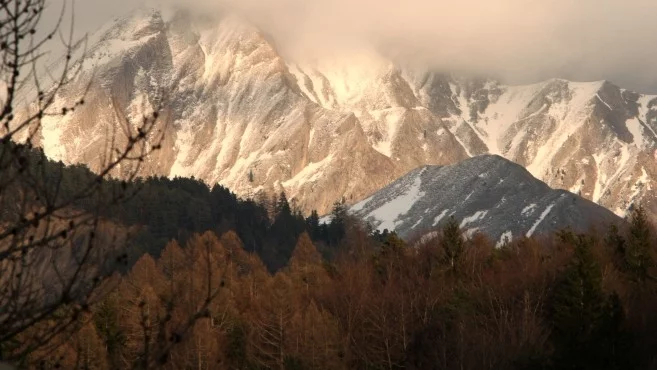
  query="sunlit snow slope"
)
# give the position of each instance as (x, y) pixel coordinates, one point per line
(341, 129)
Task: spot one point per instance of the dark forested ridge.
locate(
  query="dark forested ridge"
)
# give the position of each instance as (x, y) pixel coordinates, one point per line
(176, 208)
(161, 209)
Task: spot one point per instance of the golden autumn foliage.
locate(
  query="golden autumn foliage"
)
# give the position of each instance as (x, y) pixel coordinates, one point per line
(211, 305)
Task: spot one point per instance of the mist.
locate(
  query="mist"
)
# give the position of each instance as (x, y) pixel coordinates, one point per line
(518, 41)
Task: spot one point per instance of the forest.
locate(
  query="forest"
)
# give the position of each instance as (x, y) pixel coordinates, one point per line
(205, 280)
(202, 279)
(158, 209)
(566, 301)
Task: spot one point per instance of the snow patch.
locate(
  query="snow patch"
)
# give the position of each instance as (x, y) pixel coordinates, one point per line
(644, 109)
(469, 233)
(600, 180)
(505, 238)
(326, 220)
(360, 205)
(636, 129)
(569, 114)
(465, 147)
(392, 119)
(389, 213)
(539, 220)
(604, 102)
(529, 209)
(504, 112)
(641, 182)
(440, 217)
(311, 173)
(473, 218)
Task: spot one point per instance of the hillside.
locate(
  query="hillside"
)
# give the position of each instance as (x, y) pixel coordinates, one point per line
(486, 194)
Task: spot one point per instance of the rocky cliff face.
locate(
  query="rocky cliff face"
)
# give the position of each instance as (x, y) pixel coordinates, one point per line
(233, 113)
(239, 114)
(487, 194)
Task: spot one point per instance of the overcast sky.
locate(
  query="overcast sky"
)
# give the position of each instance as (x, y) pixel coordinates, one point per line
(518, 40)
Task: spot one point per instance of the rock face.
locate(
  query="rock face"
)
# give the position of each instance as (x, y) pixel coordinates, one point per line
(233, 113)
(486, 194)
(239, 114)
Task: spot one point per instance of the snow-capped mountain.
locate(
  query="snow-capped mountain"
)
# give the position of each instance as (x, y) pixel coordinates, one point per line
(240, 114)
(594, 139)
(487, 194)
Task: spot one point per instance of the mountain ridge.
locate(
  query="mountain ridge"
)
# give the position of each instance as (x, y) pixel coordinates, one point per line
(241, 115)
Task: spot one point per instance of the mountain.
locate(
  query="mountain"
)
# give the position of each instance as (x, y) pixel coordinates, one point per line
(238, 113)
(594, 139)
(486, 194)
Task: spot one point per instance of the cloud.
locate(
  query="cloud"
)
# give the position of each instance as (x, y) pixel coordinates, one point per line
(519, 40)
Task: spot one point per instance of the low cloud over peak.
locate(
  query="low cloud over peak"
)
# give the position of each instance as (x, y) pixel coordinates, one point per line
(520, 41)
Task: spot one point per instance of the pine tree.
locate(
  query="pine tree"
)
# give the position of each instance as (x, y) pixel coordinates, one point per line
(236, 347)
(394, 243)
(586, 323)
(284, 232)
(312, 223)
(616, 244)
(106, 320)
(337, 228)
(452, 243)
(390, 257)
(637, 253)
(282, 207)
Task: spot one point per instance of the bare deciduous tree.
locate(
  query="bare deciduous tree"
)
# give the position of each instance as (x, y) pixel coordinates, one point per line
(52, 237)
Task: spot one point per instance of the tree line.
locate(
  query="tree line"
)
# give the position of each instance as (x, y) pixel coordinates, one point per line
(158, 209)
(566, 301)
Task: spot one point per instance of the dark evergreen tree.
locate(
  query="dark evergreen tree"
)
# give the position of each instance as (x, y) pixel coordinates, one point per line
(312, 222)
(284, 232)
(337, 228)
(586, 323)
(452, 243)
(394, 243)
(236, 348)
(390, 255)
(616, 245)
(637, 253)
(106, 320)
(282, 208)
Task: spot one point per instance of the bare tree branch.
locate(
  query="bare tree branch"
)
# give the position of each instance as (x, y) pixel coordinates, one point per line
(51, 248)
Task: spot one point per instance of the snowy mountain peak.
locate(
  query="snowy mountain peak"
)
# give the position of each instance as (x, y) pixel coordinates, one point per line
(240, 114)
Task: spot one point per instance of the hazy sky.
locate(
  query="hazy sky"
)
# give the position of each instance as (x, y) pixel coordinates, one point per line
(518, 40)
